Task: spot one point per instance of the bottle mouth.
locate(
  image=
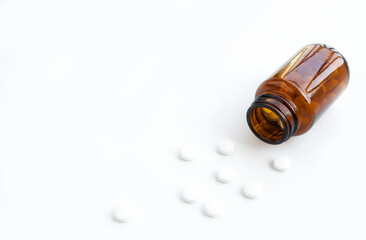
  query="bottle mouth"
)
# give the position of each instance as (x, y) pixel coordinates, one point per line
(267, 124)
(271, 120)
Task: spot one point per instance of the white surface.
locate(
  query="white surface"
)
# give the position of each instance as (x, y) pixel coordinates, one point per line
(226, 147)
(190, 194)
(225, 174)
(282, 163)
(96, 97)
(252, 190)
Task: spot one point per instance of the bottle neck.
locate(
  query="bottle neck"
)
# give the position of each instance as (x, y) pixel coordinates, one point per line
(272, 118)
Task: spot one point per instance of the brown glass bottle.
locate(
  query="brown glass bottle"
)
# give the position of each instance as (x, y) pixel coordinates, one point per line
(289, 102)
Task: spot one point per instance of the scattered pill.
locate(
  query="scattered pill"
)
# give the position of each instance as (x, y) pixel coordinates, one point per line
(226, 147)
(187, 153)
(189, 195)
(123, 213)
(252, 190)
(225, 174)
(282, 163)
(213, 209)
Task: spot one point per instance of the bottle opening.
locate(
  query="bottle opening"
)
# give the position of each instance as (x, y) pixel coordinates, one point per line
(272, 119)
(267, 124)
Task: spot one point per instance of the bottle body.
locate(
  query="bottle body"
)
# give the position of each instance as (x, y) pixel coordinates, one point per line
(291, 100)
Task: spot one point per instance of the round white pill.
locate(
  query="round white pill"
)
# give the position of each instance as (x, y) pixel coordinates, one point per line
(252, 190)
(187, 153)
(213, 209)
(282, 163)
(189, 195)
(123, 213)
(226, 147)
(225, 174)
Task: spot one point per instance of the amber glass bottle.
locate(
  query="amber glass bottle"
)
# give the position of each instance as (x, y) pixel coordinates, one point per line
(290, 101)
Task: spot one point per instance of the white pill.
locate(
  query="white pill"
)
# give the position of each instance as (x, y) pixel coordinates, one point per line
(252, 190)
(213, 209)
(226, 147)
(189, 195)
(187, 153)
(225, 174)
(123, 213)
(282, 163)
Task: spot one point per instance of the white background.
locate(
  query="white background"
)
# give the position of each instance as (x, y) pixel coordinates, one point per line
(96, 97)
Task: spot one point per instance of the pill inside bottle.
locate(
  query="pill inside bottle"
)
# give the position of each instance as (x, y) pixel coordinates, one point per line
(267, 123)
